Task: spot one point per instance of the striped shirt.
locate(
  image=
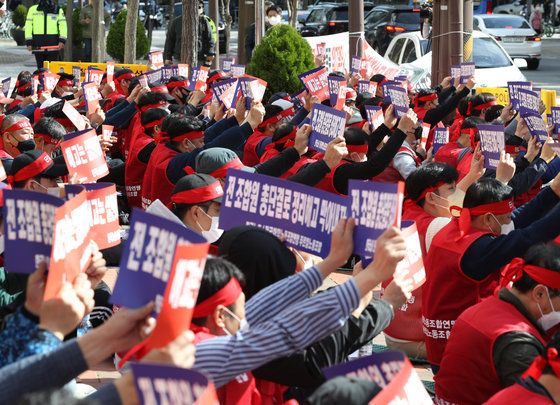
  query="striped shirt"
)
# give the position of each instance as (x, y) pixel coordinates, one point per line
(283, 320)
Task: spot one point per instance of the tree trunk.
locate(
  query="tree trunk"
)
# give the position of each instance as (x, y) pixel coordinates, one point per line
(130, 32)
(80, 3)
(68, 45)
(189, 37)
(171, 14)
(98, 33)
(227, 20)
(292, 12)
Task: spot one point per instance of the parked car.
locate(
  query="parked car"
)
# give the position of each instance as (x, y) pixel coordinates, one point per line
(383, 23)
(513, 7)
(326, 19)
(514, 33)
(494, 67)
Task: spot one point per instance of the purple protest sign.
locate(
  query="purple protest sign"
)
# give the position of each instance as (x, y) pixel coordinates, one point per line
(297, 99)
(147, 259)
(334, 88)
(355, 67)
(492, 143)
(6, 86)
(174, 70)
(237, 70)
(455, 71)
(77, 73)
(166, 73)
(194, 78)
(226, 64)
(328, 123)
(163, 384)
(441, 137)
(374, 116)
(219, 88)
(529, 99)
(513, 90)
(399, 99)
(555, 119)
(303, 76)
(376, 207)
(535, 123)
(305, 215)
(154, 76)
(365, 86)
(251, 88)
(467, 70)
(29, 219)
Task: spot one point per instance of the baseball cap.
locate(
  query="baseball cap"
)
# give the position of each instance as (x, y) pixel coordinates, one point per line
(196, 189)
(34, 163)
(216, 161)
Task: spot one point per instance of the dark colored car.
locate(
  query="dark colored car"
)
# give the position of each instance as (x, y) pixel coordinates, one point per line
(326, 19)
(385, 22)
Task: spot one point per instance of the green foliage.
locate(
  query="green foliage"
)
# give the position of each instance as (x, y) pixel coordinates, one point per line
(19, 16)
(115, 39)
(77, 29)
(281, 56)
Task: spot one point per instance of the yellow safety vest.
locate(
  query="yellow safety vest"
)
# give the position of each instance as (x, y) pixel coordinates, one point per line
(41, 33)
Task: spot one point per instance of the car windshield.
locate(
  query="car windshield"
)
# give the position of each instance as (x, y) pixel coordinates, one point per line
(487, 54)
(340, 15)
(506, 22)
(407, 18)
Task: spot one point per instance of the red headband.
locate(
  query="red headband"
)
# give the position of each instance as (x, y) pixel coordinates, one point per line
(351, 94)
(357, 148)
(66, 82)
(282, 140)
(472, 132)
(217, 76)
(430, 190)
(33, 169)
(485, 105)
(199, 195)
(189, 135)
(48, 139)
(150, 106)
(65, 122)
(535, 370)
(19, 125)
(154, 123)
(427, 97)
(512, 149)
(125, 76)
(163, 89)
(181, 83)
(226, 296)
(498, 208)
(222, 171)
(24, 86)
(517, 267)
(278, 117)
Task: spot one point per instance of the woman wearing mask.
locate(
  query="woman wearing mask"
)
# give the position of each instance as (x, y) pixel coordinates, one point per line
(273, 16)
(535, 20)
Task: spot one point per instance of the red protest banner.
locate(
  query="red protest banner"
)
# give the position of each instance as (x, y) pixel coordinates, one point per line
(74, 116)
(183, 69)
(156, 59)
(91, 94)
(49, 81)
(95, 75)
(34, 85)
(400, 201)
(341, 98)
(202, 77)
(107, 132)
(84, 157)
(103, 215)
(321, 48)
(377, 64)
(412, 266)
(110, 71)
(71, 249)
(425, 133)
(317, 84)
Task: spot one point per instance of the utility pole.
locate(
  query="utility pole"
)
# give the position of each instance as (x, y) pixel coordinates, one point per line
(435, 41)
(444, 57)
(189, 34)
(130, 32)
(68, 45)
(468, 29)
(259, 22)
(246, 17)
(456, 32)
(98, 33)
(213, 14)
(356, 27)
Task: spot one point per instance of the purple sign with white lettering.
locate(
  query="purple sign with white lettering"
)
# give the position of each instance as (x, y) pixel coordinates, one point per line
(441, 137)
(147, 259)
(154, 76)
(467, 70)
(513, 90)
(555, 119)
(194, 78)
(376, 207)
(237, 70)
(296, 99)
(166, 73)
(334, 85)
(492, 143)
(163, 384)
(28, 229)
(379, 368)
(374, 115)
(302, 76)
(399, 99)
(355, 67)
(219, 88)
(226, 64)
(365, 86)
(6, 86)
(528, 99)
(455, 71)
(535, 123)
(174, 70)
(328, 123)
(305, 215)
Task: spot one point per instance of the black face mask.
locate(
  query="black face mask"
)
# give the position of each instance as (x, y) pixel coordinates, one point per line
(418, 133)
(24, 146)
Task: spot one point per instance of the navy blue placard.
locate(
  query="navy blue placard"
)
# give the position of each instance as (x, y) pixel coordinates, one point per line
(328, 123)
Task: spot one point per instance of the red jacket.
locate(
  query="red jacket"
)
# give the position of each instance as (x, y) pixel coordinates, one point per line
(327, 183)
(516, 394)
(156, 185)
(469, 353)
(449, 153)
(250, 157)
(135, 170)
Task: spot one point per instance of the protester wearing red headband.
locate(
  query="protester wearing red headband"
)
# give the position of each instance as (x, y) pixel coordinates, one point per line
(17, 136)
(453, 152)
(35, 170)
(539, 385)
(495, 341)
(465, 257)
(48, 135)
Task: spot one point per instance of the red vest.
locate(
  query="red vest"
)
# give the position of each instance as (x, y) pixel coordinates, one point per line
(447, 291)
(134, 128)
(464, 166)
(516, 394)
(468, 355)
(455, 129)
(156, 185)
(298, 165)
(449, 153)
(529, 195)
(407, 323)
(250, 157)
(135, 170)
(269, 154)
(240, 391)
(392, 175)
(327, 183)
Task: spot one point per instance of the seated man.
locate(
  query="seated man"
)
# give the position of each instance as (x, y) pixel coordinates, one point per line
(495, 341)
(35, 170)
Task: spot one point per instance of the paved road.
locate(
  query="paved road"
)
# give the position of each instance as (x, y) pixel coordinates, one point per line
(548, 74)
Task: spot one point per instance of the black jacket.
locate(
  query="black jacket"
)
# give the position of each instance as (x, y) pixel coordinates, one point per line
(206, 43)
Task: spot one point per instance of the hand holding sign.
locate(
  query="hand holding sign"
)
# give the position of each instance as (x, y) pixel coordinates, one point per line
(390, 249)
(336, 151)
(408, 121)
(506, 167)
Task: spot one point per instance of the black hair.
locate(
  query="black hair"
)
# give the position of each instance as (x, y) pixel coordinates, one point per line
(280, 132)
(23, 81)
(274, 8)
(151, 97)
(424, 93)
(181, 125)
(428, 175)
(547, 256)
(463, 106)
(493, 112)
(270, 110)
(48, 126)
(337, 74)
(486, 190)
(177, 79)
(362, 97)
(55, 110)
(355, 136)
(133, 83)
(19, 185)
(65, 76)
(151, 115)
(217, 273)
(479, 99)
(375, 101)
(473, 122)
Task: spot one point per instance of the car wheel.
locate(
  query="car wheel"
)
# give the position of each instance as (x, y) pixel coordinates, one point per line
(532, 64)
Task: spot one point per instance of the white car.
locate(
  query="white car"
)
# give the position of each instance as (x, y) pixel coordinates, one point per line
(493, 66)
(514, 33)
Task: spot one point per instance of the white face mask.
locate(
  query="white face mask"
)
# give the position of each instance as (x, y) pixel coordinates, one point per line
(445, 207)
(275, 20)
(550, 320)
(214, 233)
(306, 263)
(1, 244)
(504, 228)
(243, 324)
